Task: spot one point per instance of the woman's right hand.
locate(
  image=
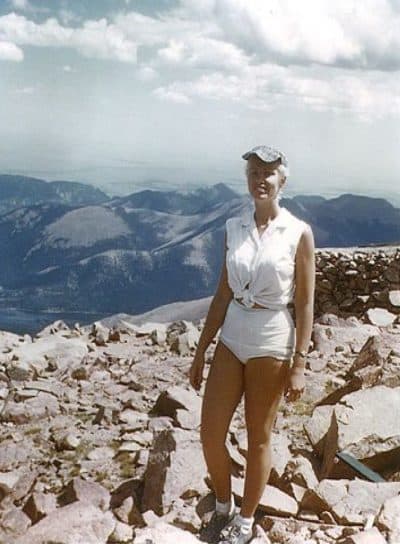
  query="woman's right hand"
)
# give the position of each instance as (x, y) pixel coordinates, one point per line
(196, 371)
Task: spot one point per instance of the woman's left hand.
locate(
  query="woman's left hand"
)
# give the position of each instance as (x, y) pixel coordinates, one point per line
(295, 384)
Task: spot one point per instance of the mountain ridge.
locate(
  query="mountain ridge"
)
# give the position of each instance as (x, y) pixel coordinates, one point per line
(113, 257)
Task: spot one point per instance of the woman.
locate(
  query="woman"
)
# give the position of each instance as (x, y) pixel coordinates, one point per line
(269, 265)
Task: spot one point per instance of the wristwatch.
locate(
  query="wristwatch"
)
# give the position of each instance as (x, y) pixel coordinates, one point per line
(301, 353)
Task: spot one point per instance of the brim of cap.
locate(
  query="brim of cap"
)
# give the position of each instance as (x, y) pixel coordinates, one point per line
(247, 155)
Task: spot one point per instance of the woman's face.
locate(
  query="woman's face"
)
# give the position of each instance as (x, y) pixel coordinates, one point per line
(263, 178)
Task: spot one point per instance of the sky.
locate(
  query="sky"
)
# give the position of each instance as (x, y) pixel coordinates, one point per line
(169, 94)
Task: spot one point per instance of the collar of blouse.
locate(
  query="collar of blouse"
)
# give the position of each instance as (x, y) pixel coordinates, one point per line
(280, 222)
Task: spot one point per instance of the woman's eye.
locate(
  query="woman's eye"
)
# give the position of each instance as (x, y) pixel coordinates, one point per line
(263, 174)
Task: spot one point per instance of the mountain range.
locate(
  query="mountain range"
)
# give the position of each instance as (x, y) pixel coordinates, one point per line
(18, 191)
(67, 246)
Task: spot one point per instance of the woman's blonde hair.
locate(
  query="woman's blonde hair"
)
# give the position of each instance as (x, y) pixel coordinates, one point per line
(282, 169)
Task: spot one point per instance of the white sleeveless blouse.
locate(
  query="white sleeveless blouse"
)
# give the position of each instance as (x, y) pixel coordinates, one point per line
(261, 269)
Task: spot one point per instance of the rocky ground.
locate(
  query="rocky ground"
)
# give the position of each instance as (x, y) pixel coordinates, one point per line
(100, 438)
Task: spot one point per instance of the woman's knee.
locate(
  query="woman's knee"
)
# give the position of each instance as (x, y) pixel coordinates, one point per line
(259, 439)
(259, 447)
(212, 436)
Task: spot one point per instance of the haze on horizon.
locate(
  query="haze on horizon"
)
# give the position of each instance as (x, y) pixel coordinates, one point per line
(124, 93)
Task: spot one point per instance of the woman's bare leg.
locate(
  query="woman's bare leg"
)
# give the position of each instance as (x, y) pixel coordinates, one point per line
(264, 383)
(224, 389)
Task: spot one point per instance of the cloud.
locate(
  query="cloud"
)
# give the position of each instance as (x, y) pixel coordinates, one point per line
(345, 33)
(20, 4)
(156, 31)
(172, 94)
(181, 42)
(146, 73)
(173, 53)
(315, 54)
(66, 16)
(25, 90)
(9, 51)
(267, 86)
(25, 5)
(203, 52)
(96, 39)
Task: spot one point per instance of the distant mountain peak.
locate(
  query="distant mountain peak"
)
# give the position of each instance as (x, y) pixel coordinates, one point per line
(183, 202)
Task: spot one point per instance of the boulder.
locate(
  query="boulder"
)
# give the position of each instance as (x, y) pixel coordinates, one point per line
(350, 501)
(164, 533)
(352, 336)
(175, 468)
(371, 536)
(376, 364)
(86, 491)
(40, 406)
(183, 405)
(122, 534)
(380, 317)
(77, 522)
(13, 522)
(300, 472)
(39, 505)
(52, 328)
(394, 297)
(273, 500)
(65, 351)
(363, 423)
(388, 519)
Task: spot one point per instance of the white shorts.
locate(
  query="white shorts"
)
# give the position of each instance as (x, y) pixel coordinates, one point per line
(258, 332)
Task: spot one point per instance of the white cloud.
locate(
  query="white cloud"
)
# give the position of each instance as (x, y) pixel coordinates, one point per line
(203, 52)
(20, 4)
(146, 73)
(25, 90)
(97, 39)
(346, 33)
(315, 54)
(67, 16)
(172, 95)
(103, 40)
(25, 5)
(267, 86)
(67, 68)
(173, 53)
(9, 51)
(183, 42)
(151, 31)
(341, 33)
(211, 53)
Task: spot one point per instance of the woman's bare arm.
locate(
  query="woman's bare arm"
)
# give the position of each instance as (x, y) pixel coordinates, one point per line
(217, 309)
(304, 294)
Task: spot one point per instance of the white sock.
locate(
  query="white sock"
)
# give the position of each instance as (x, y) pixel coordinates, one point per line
(225, 507)
(246, 523)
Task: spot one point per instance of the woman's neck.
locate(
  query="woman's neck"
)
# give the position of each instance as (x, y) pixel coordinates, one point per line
(266, 212)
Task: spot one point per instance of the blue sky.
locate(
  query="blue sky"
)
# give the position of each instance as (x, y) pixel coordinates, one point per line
(166, 93)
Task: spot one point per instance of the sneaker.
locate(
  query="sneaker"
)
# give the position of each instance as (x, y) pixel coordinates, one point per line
(235, 534)
(211, 531)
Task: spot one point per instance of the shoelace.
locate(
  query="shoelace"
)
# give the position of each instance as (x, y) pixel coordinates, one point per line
(232, 530)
